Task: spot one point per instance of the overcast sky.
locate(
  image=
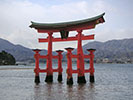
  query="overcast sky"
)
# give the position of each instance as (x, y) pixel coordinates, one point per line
(16, 15)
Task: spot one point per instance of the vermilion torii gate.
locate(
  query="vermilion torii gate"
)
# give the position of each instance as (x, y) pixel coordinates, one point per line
(64, 29)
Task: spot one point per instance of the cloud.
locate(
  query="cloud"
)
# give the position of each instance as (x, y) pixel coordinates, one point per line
(15, 19)
(17, 14)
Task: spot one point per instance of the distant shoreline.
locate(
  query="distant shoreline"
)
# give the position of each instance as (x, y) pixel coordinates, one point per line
(16, 68)
(33, 64)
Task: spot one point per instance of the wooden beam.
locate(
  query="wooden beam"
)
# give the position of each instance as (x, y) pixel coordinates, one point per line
(43, 70)
(55, 57)
(43, 56)
(86, 56)
(88, 37)
(72, 28)
(87, 70)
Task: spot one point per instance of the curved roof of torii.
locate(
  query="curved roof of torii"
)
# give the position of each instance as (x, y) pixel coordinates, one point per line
(69, 26)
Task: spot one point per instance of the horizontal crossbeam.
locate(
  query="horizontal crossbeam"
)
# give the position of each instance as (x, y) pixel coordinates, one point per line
(46, 57)
(86, 56)
(56, 57)
(45, 70)
(43, 56)
(86, 71)
(57, 70)
(88, 37)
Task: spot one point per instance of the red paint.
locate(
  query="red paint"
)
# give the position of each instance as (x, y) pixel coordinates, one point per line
(43, 70)
(87, 70)
(43, 57)
(80, 56)
(74, 71)
(49, 59)
(55, 57)
(74, 56)
(91, 61)
(60, 61)
(36, 56)
(80, 59)
(69, 62)
(86, 56)
(88, 37)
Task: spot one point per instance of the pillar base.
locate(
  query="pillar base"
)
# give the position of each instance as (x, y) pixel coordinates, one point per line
(92, 79)
(70, 81)
(81, 79)
(59, 78)
(49, 78)
(37, 79)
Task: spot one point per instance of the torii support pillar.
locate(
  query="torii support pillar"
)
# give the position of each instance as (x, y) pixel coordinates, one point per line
(92, 79)
(69, 66)
(37, 69)
(49, 76)
(80, 60)
(59, 65)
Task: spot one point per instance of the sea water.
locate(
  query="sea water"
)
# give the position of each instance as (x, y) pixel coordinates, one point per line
(112, 82)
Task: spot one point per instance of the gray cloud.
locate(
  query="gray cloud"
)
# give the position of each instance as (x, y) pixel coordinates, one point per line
(17, 14)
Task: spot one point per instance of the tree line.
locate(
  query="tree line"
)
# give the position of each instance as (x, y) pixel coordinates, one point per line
(6, 58)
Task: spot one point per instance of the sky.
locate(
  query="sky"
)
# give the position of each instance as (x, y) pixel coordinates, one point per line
(16, 16)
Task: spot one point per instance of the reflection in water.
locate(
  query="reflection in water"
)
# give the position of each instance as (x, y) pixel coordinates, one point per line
(70, 92)
(81, 92)
(113, 82)
(92, 91)
(86, 92)
(58, 91)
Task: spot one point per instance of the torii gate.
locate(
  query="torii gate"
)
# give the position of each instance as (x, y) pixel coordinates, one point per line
(64, 29)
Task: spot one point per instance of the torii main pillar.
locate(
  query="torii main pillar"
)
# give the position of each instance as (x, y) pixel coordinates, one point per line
(49, 76)
(80, 59)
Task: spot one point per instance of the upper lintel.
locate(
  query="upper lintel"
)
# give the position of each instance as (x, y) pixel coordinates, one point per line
(69, 26)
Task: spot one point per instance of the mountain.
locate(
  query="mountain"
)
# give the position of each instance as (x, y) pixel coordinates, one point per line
(20, 53)
(111, 49)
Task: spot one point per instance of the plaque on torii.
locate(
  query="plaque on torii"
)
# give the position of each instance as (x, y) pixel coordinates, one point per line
(64, 28)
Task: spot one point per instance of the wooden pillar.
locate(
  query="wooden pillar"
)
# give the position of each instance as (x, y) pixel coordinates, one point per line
(49, 76)
(37, 69)
(59, 65)
(69, 66)
(92, 79)
(80, 60)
